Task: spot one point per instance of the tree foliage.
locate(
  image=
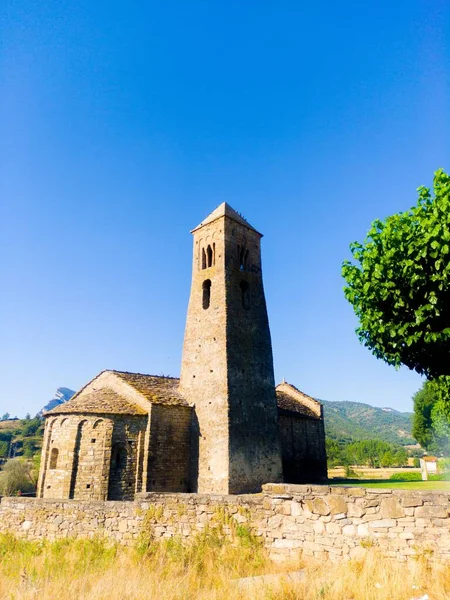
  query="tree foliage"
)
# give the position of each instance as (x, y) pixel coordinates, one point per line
(399, 284)
(371, 453)
(17, 477)
(431, 426)
(422, 428)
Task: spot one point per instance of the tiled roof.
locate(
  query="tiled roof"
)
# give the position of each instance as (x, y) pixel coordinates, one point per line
(290, 398)
(225, 210)
(288, 403)
(104, 401)
(156, 389)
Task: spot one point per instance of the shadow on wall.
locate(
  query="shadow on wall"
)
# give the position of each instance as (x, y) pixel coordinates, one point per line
(194, 466)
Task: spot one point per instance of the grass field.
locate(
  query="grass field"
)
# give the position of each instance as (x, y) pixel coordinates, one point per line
(207, 569)
(395, 485)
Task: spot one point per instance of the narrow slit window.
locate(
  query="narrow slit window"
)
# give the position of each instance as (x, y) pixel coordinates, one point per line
(243, 257)
(245, 296)
(54, 458)
(206, 293)
(203, 259)
(209, 256)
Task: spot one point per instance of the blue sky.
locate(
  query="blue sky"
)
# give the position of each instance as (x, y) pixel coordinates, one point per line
(124, 124)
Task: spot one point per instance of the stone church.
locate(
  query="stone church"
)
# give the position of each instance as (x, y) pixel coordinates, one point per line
(222, 428)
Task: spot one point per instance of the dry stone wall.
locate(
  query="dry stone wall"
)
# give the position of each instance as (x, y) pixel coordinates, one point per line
(327, 523)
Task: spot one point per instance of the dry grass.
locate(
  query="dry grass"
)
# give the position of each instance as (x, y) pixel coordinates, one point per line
(368, 473)
(204, 570)
(372, 578)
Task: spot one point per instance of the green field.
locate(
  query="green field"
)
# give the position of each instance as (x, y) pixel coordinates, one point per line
(395, 485)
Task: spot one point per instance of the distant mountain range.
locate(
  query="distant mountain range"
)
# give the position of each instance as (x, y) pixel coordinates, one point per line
(346, 421)
(62, 395)
(353, 421)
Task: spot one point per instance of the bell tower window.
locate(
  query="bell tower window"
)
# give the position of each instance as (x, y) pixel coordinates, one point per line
(245, 296)
(209, 256)
(242, 257)
(206, 293)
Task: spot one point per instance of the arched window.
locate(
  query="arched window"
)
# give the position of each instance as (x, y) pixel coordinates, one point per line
(245, 296)
(242, 257)
(209, 256)
(206, 293)
(54, 458)
(203, 259)
(118, 458)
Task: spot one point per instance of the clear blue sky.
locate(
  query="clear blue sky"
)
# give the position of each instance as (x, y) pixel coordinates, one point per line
(123, 124)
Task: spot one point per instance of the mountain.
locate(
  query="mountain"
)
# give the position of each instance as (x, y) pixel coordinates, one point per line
(352, 421)
(62, 395)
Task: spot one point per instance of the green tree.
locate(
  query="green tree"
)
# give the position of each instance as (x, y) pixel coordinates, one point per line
(422, 427)
(431, 426)
(334, 453)
(375, 453)
(399, 287)
(400, 284)
(4, 449)
(387, 459)
(29, 447)
(16, 476)
(31, 427)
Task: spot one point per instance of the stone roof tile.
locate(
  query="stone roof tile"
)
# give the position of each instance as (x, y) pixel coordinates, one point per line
(291, 399)
(104, 401)
(224, 210)
(156, 389)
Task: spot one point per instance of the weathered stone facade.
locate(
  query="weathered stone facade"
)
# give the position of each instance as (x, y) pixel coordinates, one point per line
(302, 435)
(221, 428)
(122, 434)
(227, 367)
(327, 523)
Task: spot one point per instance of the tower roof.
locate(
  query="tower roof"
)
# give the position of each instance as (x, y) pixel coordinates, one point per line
(225, 210)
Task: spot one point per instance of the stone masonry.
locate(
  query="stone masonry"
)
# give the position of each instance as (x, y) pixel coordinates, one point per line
(227, 366)
(222, 427)
(334, 523)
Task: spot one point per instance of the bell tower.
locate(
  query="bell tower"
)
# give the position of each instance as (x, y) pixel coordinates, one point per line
(227, 367)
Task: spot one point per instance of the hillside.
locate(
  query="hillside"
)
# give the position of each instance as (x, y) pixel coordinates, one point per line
(20, 437)
(23, 437)
(352, 421)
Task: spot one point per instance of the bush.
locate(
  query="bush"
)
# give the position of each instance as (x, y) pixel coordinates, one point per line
(16, 477)
(406, 477)
(444, 464)
(31, 427)
(440, 476)
(4, 449)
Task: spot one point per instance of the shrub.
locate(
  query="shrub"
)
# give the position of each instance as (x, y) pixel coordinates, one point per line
(444, 464)
(406, 477)
(16, 477)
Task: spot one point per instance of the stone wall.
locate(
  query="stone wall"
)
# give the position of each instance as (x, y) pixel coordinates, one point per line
(319, 521)
(169, 449)
(302, 448)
